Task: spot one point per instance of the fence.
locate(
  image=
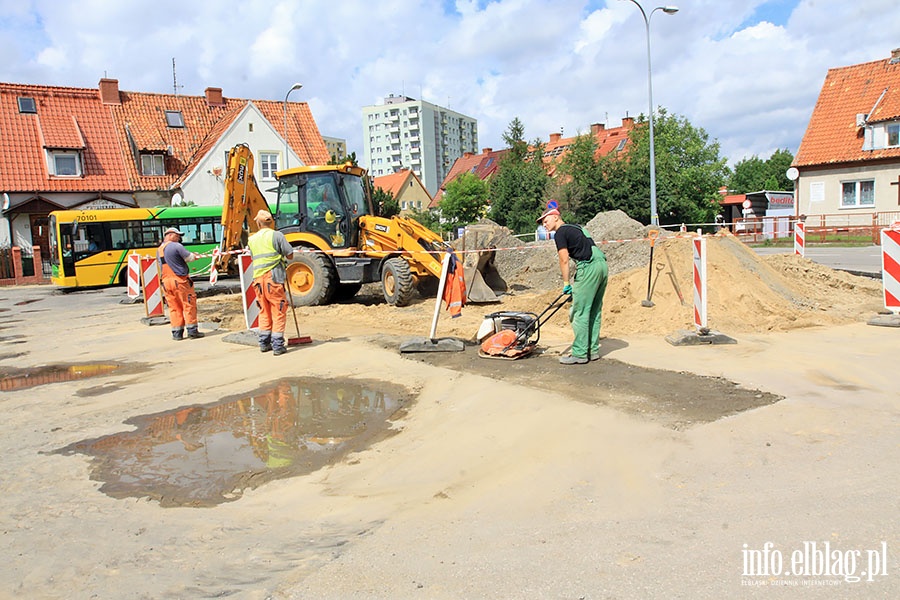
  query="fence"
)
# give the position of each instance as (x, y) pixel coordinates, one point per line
(819, 228)
(17, 267)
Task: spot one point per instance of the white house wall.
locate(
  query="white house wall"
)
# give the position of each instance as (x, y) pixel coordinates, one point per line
(205, 188)
(831, 181)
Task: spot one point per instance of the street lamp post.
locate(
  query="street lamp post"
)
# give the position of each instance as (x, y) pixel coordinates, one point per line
(669, 10)
(296, 86)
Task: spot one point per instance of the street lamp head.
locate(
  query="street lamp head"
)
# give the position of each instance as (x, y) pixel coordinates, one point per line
(297, 86)
(670, 10)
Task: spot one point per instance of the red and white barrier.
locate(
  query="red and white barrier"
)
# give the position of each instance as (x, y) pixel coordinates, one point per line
(700, 283)
(153, 300)
(134, 275)
(248, 292)
(213, 273)
(890, 268)
(800, 239)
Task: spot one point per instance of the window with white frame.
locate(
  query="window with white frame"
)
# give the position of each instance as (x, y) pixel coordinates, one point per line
(65, 163)
(268, 162)
(857, 193)
(893, 134)
(153, 164)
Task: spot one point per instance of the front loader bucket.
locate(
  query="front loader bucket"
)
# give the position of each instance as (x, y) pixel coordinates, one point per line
(483, 281)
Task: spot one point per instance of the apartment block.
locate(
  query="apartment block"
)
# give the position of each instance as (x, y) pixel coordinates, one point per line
(405, 133)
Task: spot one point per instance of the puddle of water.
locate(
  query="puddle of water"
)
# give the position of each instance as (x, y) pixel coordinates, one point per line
(12, 379)
(203, 455)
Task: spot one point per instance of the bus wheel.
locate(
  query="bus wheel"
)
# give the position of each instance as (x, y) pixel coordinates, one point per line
(312, 279)
(397, 282)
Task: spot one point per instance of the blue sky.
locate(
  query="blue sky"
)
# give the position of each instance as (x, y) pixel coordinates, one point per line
(746, 71)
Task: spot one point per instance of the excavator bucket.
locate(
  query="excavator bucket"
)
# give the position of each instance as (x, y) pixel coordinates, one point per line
(483, 281)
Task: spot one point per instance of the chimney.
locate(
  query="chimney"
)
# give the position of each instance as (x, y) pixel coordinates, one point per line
(467, 154)
(597, 128)
(554, 137)
(627, 122)
(895, 56)
(214, 97)
(109, 91)
(487, 150)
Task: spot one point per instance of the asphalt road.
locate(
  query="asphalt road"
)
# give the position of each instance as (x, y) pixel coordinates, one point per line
(863, 260)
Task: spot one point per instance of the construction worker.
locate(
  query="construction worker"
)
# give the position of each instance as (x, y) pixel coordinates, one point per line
(270, 251)
(586, 285)
(179, 289)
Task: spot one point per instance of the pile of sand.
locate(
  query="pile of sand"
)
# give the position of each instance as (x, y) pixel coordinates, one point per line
(746, 292)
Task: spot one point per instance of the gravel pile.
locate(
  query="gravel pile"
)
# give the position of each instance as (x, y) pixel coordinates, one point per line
(534, 265)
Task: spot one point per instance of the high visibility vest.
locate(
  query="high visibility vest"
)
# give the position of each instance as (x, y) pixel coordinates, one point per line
(262, 248)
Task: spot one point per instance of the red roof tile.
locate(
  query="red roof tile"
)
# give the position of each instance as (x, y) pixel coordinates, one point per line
(833, 136)
(113, 135)
(392, 183)
(66, 118)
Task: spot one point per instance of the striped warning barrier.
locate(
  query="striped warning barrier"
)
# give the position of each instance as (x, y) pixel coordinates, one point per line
(890, 268)
(213, 273)
(800, 239)
(700, 283)
(134, 275)
(153, 301)
(248, 292)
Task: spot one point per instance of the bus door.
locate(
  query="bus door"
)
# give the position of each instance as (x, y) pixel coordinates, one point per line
(67, 233)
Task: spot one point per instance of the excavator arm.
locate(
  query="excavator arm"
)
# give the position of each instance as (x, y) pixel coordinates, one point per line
(420, 247)
(243, 200)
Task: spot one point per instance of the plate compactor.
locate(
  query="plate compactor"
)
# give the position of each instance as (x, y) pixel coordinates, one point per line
(509, 335)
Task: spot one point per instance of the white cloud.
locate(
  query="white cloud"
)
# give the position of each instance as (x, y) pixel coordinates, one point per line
(554, 64)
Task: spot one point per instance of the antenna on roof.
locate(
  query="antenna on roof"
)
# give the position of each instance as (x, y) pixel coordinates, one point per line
(175, 85)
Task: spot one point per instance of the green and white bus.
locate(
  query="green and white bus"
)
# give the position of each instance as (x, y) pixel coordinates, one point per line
(90, 248)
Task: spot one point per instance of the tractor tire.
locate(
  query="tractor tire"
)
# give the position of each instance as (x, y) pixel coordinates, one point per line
(397, 282)
(312, 279)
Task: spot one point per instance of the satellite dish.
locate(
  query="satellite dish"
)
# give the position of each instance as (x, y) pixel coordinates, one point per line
(176, 199)
(5, 205)
(792, 174)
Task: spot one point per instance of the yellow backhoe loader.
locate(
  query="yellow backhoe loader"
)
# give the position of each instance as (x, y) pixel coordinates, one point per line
(326, 213)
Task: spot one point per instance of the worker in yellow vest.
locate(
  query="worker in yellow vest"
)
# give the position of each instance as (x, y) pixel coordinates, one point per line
(270, 251)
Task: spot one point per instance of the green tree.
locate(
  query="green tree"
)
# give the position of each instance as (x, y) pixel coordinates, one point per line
(385, 203)
(689, 172)
(351, 158)
(755, 175)
(429, 218)
(517, 188)
(464, 200)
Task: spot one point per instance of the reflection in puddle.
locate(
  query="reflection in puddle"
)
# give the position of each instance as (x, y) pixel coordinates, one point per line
(204, 455)
(20, 379)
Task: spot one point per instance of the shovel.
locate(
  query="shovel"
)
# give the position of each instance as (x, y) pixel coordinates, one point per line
(300, 339)
(653, 233)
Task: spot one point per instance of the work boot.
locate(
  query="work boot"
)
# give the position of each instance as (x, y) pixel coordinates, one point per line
(278, 345)
(193, 332)
(572, 360)
(178, 334)
(265, 342)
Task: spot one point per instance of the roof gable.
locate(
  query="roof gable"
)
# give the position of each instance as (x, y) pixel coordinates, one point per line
(833, 136)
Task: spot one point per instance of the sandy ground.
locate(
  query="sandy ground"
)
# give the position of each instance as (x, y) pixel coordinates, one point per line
(504, 480)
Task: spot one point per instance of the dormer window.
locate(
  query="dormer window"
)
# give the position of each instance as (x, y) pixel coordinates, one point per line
(27, 105)
(153, 164)
(65, 163)
(174, 118)
(893, 134)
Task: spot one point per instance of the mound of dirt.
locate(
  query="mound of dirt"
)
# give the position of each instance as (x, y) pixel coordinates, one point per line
(746, 293)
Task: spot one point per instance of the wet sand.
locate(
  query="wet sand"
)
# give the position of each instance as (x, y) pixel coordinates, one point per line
(553, 482)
